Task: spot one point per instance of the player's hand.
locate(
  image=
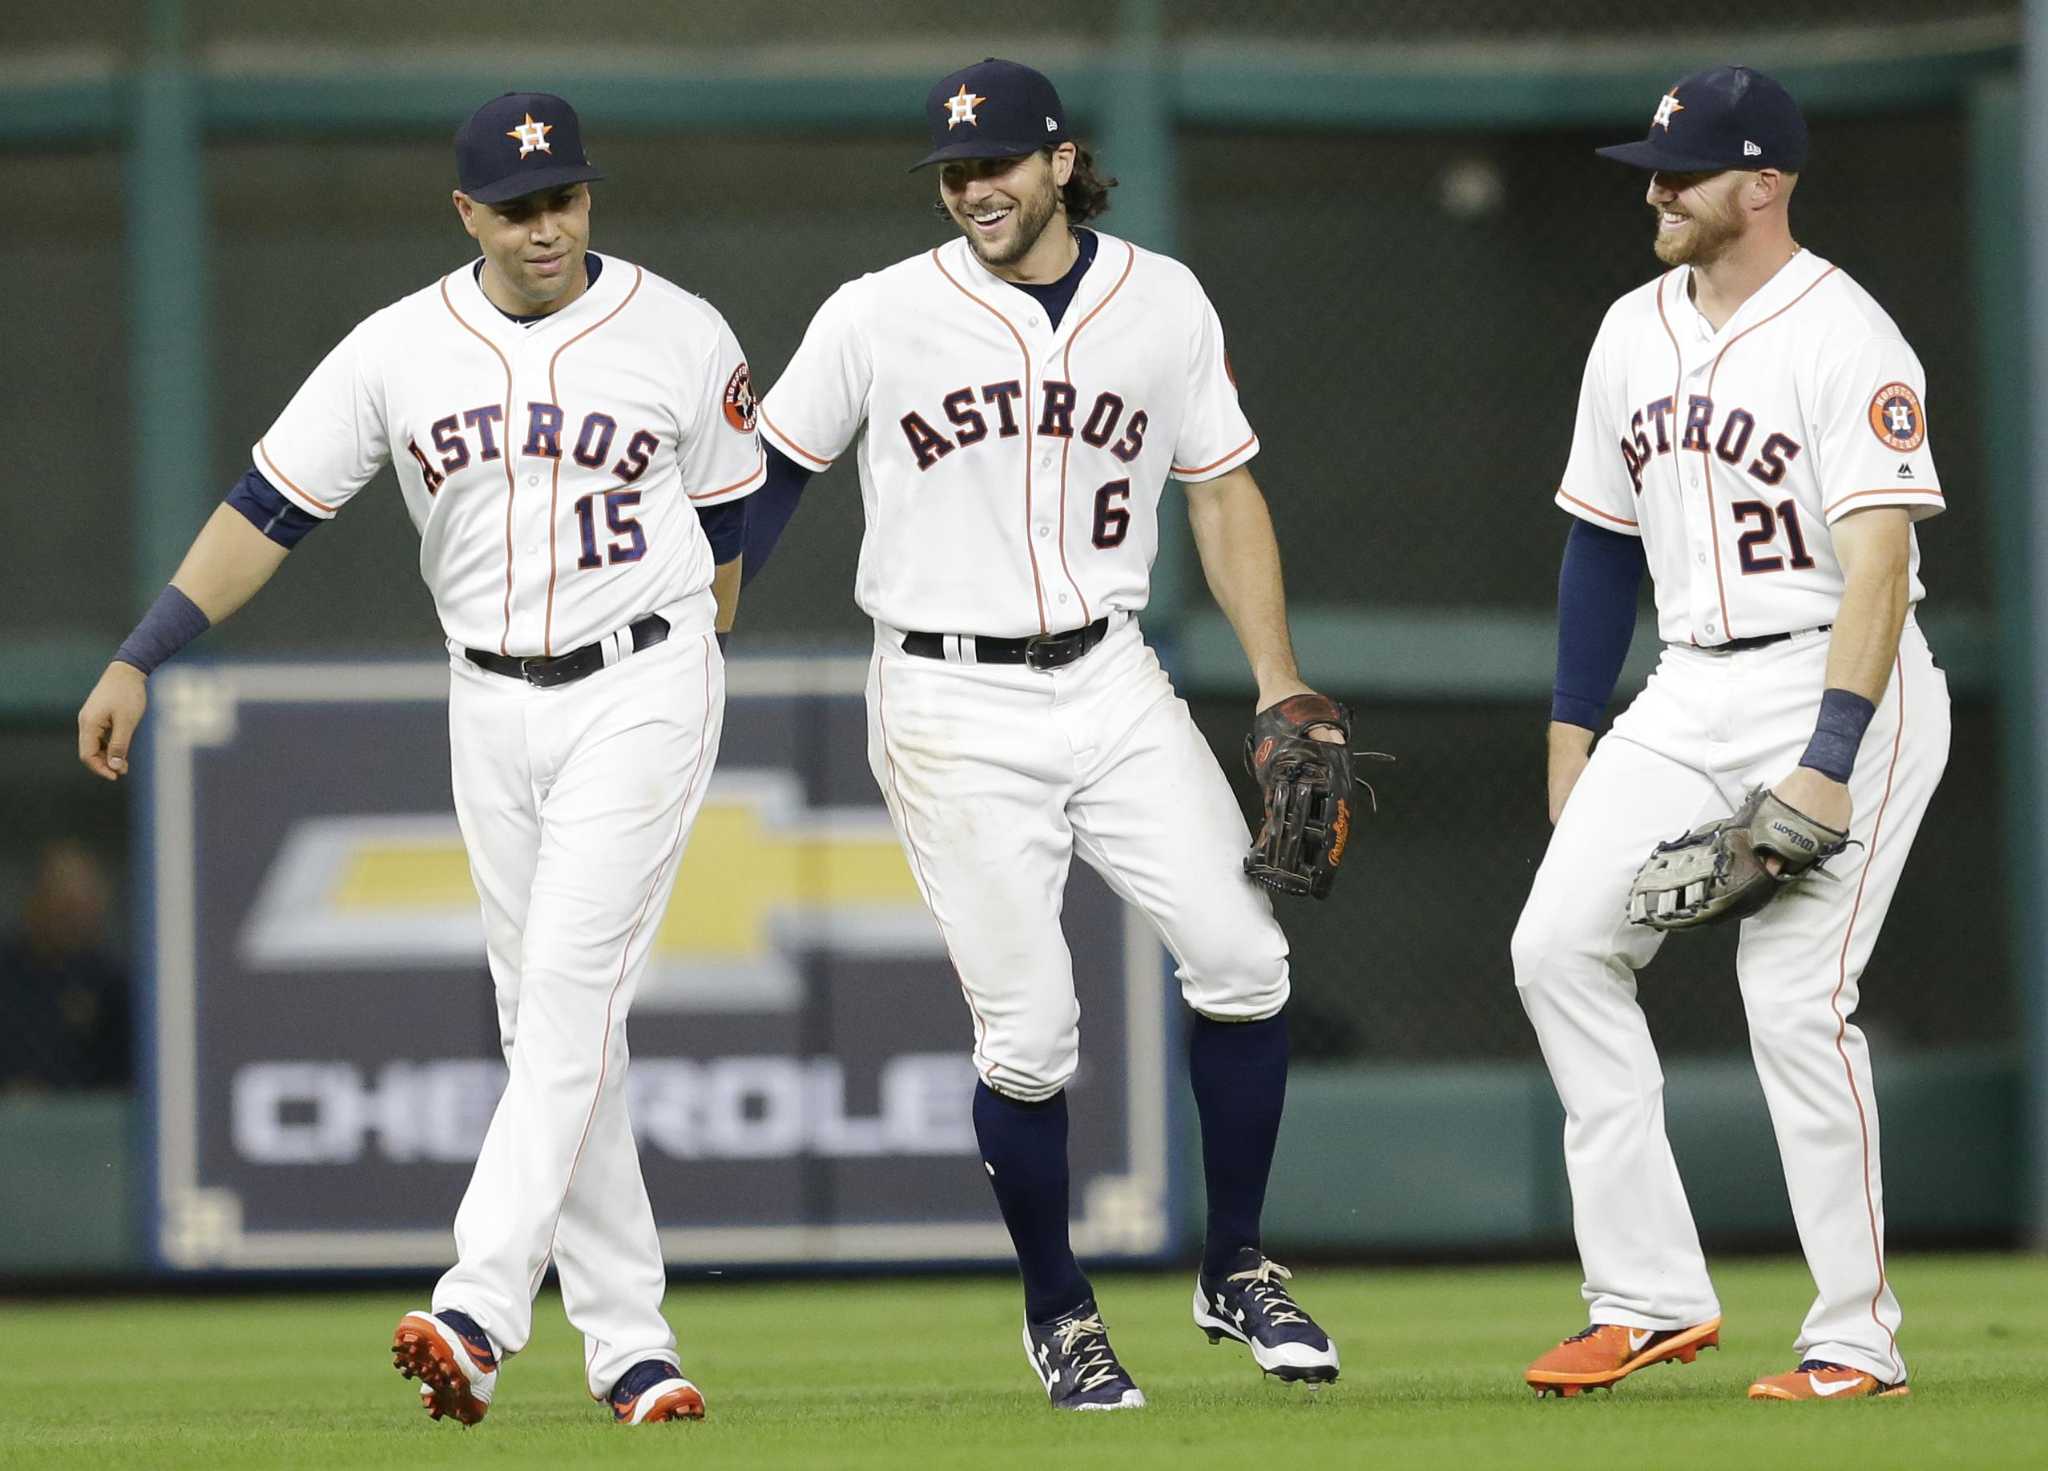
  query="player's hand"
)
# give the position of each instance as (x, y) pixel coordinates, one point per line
(1824, 800)
(1571, 747)
(107, 720)
(1272, 694)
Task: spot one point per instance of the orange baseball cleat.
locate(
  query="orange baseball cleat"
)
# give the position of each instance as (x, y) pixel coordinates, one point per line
(1818, 1379)
(1604, 1354)
(453, 1360)
(652, 1392)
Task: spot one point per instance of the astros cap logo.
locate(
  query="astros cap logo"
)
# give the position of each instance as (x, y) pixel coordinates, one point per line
(1666, 106)
(532, 136)
(961, 105)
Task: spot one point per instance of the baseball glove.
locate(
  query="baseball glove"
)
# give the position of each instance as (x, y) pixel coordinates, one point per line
(1306, 785)
(1716, 873)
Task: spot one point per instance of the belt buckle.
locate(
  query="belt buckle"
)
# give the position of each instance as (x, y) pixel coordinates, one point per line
(534, 671)
(1046, 652)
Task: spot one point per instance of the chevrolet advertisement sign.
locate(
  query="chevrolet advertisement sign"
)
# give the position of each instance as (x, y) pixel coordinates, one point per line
(326, 1058)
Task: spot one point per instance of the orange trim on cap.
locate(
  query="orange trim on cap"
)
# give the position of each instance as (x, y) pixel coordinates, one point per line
(547, 636)
(297, 489)
(1198, 469)
(759, 470)
(1563, 495)
(1067, 445)
(819, 460)
(1037, 584)
(1895, 491)
(511, 490)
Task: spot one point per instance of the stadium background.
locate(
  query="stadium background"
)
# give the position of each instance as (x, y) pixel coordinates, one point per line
(1395, 209)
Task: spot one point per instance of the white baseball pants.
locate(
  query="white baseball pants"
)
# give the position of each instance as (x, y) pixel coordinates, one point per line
(1708, 727)
(995, 775)
(575, 804)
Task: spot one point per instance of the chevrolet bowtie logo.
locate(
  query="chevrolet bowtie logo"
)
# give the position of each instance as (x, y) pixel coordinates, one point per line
(763, 875)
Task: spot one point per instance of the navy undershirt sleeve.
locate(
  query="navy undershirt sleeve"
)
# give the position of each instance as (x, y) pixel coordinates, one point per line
(725, 527)
(770, 507)
(264, 507)
(1596, 620)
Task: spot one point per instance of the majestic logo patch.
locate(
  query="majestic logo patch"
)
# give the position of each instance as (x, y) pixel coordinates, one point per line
(532, 136)
(1666, 106)
(1897, 419)
(960, 108)
(740, 406)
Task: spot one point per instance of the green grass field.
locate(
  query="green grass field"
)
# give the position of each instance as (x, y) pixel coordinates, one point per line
(911, 1373)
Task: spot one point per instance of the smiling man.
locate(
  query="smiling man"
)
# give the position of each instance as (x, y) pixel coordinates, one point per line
(573, 437)
(1750, 430)
(1028, 388)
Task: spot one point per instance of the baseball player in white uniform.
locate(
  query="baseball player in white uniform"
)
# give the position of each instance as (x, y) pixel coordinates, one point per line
(1751, 426)
(572, 434)
(1027, 390)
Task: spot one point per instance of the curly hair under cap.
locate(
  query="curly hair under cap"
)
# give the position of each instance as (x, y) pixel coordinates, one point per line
(1086, 193)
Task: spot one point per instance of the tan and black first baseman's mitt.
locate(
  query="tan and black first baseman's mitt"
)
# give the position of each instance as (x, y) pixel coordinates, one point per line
(1717, 872)
(1306, 786)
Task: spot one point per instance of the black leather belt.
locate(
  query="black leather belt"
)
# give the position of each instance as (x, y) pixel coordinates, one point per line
(1041, 651)
(1763, 640)
(570, 667)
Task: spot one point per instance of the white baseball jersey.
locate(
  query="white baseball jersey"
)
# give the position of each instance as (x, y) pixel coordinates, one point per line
(552, 467)
(1730, 452)
(1011, 471)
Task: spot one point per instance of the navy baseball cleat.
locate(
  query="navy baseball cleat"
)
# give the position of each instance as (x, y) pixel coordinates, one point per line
(1249, 1304)
(654, 1390)
(1073, 1360)
(452, 1358)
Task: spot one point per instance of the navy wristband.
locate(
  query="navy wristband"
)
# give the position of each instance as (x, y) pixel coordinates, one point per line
(172, 622)
(1838, 734)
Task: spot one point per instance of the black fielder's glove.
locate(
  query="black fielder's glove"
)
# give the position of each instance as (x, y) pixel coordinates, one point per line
(1716, 872)
(1307, 786)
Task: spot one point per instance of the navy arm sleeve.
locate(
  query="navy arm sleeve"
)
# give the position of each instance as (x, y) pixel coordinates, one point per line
(770, 507)
(725, 527)
(264, 507)
(1596, 620)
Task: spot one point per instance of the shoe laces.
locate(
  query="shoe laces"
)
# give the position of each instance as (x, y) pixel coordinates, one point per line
(1269, 1294)
(1818, 1366)
(1094, 1365)
(1585, 1333)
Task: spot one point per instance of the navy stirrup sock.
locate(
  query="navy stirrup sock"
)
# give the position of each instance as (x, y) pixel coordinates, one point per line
(1239, 1074)
(1024, 1147)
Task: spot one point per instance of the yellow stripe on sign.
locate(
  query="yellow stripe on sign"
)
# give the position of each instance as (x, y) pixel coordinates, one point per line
(737, 872)
(415, 876)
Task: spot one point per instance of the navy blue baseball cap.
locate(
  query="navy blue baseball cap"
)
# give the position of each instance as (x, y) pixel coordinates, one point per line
(520, 143)
(1728, 118)
(993, 109)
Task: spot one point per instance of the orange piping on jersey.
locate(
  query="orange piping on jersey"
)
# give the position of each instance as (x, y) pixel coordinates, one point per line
(297, 489)
(760, 465)
(1842, 1021)
(1678, 452)
(1891, 490)
(1067, 445)
(1706, 455)
(1037, 584)
(547, 638)
(1198, 469)
(819, 460)
(1603, 515)
(511, 492)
